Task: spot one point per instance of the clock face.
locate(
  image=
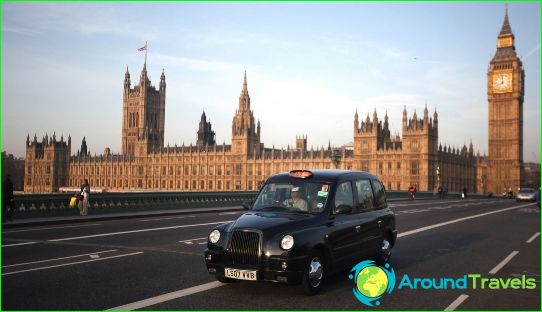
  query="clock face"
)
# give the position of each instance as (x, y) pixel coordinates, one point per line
(502, 82)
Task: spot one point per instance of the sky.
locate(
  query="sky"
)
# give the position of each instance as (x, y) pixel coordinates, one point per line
(309, 67)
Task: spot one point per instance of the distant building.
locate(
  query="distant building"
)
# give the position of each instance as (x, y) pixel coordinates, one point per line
(416, 157)
(531, 175)
(15, 168)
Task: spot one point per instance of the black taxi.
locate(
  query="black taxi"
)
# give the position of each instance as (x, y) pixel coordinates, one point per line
(303, 226)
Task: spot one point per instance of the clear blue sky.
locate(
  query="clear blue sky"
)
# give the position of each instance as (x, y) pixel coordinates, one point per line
(309, 67)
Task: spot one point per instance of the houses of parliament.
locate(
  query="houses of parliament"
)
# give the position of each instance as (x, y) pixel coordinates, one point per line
(415, 157)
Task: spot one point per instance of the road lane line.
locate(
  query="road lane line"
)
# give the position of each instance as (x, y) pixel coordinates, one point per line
(429, 227)
(136, 231)
(530, 240)
(193, 239)
(457, 302)
(49, 228)
(72, 263)
(170, 218)
(19, 244)
(504, 262)
(54, 259)
(169, 296)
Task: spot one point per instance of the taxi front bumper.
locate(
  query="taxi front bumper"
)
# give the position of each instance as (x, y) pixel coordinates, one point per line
(272, 269)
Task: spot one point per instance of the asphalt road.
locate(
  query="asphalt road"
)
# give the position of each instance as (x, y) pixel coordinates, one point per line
(156, 263)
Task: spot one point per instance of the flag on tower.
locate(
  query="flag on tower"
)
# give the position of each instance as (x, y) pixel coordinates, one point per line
(143, 48)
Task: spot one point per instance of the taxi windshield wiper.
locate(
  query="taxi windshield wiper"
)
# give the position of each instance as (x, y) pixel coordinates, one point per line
(271, 207)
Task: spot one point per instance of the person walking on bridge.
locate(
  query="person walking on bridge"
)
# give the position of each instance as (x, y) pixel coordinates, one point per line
(7, 199)
(85, 192)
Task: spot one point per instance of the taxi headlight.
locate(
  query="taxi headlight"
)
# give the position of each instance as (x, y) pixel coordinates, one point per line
(287, 242)
(214, 236)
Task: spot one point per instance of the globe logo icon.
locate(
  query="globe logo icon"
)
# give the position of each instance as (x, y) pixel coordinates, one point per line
(372, 281)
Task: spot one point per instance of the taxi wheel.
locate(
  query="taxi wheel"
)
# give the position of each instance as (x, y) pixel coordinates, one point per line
(223, 279)
(314, 273)
(385, 251)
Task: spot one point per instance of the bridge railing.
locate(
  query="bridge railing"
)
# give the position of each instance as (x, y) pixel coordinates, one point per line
(44, 205)
(52, 205)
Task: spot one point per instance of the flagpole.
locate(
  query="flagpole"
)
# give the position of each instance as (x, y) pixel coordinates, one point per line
(146, 48)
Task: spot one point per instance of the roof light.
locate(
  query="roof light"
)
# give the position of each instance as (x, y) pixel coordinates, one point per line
(300, 174)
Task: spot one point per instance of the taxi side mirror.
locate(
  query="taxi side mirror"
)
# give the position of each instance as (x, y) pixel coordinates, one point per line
(247, 205)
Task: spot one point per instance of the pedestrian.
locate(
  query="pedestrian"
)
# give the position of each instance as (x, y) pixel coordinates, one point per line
(464, 194)
(440, 192)
(7, 199)
(537, 198)
(412, 191)
(445, 191)
(85, 193)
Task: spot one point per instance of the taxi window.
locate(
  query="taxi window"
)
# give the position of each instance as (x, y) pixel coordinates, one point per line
(380, 194)
(304, 197)
(365, 194)
(343, 195)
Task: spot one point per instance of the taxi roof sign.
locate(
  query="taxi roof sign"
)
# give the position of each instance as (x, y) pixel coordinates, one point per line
(300, 174)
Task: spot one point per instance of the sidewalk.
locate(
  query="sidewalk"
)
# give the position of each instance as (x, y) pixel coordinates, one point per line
(111, 216)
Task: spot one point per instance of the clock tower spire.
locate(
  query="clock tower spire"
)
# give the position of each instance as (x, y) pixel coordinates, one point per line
(505, 90)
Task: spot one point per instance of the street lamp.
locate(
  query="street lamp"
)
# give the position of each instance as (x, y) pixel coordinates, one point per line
(438, 175)
(484, 184)
(336, 159)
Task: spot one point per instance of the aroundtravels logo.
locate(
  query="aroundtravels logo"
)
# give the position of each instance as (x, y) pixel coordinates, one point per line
(371, 281)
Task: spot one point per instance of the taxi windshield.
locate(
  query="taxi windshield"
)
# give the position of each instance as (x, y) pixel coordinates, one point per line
(303, 197)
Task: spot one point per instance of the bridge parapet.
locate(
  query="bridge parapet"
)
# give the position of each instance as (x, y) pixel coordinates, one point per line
(56, 205)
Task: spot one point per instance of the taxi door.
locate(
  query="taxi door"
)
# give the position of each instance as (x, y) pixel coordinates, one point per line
(344, 226)
(370, 231)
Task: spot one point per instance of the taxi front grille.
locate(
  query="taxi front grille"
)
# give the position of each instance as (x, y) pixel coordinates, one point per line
(245, 247)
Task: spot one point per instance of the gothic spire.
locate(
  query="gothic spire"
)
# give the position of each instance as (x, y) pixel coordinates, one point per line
(506, 30)
(245, 82)
(244, 98)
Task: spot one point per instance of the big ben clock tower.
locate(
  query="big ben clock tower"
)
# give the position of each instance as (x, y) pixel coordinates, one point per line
(505, 89)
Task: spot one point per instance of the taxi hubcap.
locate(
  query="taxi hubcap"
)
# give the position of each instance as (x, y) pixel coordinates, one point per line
(316, 272)
(386, 250)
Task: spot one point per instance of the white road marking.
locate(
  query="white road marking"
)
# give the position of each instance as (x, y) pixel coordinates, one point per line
(72, 263)
(136, 231)
(19, 244)
(50, 228)
(430, 202)
(230, 213)
(170, 218)
(62, 258)
(530, 240)
(457, 302)
(429, 227)
(504, 262)
(94, 257)
(190, 240)
(170, 296)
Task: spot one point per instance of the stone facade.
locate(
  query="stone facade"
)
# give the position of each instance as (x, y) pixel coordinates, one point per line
(146, 164)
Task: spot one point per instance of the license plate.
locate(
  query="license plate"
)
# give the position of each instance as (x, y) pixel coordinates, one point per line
(240, 274)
